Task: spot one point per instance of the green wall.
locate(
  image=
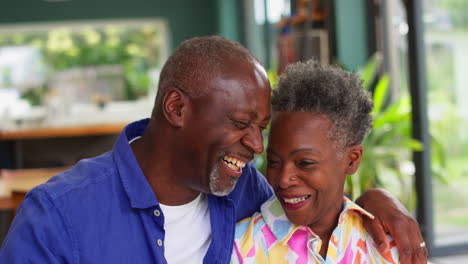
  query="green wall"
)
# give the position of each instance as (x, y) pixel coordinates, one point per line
(186, 18)
(229, 19)
(351, 31)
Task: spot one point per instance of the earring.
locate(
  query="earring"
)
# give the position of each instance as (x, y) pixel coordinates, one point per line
(293, 178)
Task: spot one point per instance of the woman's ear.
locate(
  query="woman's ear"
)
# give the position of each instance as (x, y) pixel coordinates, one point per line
(174, 106)
(353, 158)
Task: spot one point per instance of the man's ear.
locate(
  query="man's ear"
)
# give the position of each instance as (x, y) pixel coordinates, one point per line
(174, 106)
(353, 158)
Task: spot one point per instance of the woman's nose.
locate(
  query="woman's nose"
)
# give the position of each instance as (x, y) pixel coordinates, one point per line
(288, 177)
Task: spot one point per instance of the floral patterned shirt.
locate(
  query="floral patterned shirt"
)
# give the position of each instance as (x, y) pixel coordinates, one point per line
(269, 237)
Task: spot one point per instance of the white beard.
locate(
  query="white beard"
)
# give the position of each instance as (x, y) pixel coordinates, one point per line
(214, 181)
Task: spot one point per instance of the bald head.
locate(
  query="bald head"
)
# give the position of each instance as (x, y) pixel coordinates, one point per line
(197, 59)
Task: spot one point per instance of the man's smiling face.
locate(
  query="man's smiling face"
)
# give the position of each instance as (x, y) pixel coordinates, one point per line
(225, 126)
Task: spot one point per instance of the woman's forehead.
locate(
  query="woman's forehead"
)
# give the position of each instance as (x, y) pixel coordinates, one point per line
(297, 126)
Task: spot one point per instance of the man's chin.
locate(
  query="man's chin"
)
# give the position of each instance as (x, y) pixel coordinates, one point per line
(224, 190)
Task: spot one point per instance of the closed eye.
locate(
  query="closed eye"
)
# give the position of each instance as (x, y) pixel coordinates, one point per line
(271, 163)
(241, 124)
(306, 164)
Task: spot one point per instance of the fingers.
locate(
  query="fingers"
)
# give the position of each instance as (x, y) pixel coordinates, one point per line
(421, 255)
(408, 239)
(376, 231)
(392, 217)
(420, 252)
(402, 240)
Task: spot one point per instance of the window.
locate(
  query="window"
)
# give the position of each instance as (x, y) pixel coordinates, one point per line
(61, 65)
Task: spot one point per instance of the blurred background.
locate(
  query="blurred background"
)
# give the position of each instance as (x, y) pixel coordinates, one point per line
(74, 73)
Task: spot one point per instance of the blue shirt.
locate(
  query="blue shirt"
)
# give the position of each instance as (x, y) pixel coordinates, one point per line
(103, 210)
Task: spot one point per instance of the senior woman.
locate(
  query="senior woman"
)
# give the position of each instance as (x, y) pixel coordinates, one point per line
(321, 115)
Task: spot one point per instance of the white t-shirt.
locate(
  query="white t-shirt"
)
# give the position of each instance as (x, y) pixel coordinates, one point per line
(188, 231)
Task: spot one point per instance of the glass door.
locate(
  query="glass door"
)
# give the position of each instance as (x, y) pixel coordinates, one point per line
(446, 45)
(431, 63)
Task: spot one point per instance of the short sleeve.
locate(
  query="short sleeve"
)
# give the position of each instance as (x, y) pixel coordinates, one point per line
(235, 257)
(38, 234)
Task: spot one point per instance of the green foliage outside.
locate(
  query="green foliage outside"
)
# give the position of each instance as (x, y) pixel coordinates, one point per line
(387, 160)
(63, 48)
(456, 10)
(448, 121)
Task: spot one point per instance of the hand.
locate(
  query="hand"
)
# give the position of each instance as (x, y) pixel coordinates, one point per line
(392, 217)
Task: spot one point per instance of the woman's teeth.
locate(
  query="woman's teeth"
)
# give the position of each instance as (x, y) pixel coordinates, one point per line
(233, 163)
(296, 200)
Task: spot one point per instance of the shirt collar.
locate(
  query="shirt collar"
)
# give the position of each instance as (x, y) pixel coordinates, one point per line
(283, 229)
(138, 190)
(349, 206)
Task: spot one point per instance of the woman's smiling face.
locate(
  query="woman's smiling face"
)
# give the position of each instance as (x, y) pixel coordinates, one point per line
(304, 167)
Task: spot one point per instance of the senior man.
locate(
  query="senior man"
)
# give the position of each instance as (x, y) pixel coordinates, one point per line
(174, 185)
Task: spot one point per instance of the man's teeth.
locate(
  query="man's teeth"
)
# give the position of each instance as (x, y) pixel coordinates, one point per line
(296, 200)
(234, 163)
(232, 166)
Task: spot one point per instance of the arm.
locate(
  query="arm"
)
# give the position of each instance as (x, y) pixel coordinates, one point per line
(392, 217)
(38, 234)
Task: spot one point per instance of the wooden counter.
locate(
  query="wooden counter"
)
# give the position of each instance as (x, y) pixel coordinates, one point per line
(66, 131)
(14, 184)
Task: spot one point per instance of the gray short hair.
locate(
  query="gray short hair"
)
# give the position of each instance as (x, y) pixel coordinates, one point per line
(312, 87)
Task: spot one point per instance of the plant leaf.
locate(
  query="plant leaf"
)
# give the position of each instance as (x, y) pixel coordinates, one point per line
(369, 72)
(413, 144)
(380, 93)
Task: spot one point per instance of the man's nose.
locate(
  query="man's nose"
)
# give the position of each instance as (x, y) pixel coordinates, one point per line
(254, 140)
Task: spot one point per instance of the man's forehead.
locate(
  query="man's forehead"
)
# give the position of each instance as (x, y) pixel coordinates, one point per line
(230, 64)
(239, 87)
(243, 85)
(259, 70)
(250, 112)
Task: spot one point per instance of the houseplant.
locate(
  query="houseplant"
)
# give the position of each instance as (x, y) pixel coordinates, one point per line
(387, 160)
